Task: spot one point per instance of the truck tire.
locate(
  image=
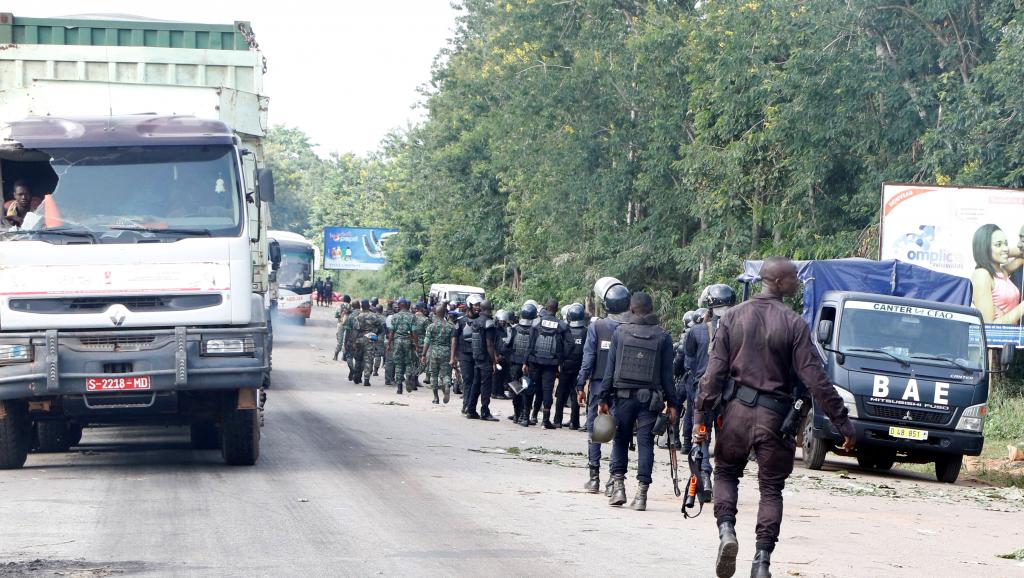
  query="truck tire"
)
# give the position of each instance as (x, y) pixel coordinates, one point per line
(947, 468)
(15, 435)
(76, 433)
(204, 436)
(240, 437)
(53, 436)
(814, 448)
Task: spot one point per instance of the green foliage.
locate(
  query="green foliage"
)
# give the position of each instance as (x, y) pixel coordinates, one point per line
(665, 141)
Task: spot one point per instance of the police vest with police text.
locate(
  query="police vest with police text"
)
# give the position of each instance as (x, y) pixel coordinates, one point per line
(548, 346)
(574, 353)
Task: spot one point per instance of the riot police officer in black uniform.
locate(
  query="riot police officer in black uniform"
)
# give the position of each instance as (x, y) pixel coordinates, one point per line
(570, 368)
(464, 349)
(483, 343)
(615, 298)
(519, 356)
(639, 378)
(546, 355)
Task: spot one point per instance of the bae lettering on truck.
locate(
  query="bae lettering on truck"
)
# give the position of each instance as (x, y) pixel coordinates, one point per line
(909, 394)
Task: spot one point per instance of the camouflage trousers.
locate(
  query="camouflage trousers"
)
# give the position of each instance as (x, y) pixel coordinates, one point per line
(440, 371)
(402, 361)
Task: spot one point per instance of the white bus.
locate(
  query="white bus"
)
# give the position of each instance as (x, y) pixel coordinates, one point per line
(295, 275)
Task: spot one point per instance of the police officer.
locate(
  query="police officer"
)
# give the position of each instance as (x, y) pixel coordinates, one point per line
(483, 343)
(759, 347)
(615, 298)
(715, 300)
(402, 343)
(639, 377)
(546, 355)
(464, 348)
(503, 321)
(519, 356)
(570, 368)
(437, 353)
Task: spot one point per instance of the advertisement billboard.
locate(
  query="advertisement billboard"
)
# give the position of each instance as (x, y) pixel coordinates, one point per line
(355, 248)
(971, 232)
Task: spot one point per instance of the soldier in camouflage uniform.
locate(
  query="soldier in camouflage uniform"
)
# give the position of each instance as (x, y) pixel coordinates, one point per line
(438, 353)
(379, 353)
(342, 316)
(422, 321)
(402, 342)
(350, 340)
(368, 327)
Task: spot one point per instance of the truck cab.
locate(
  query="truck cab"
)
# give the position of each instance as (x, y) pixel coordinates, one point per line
(913, 375)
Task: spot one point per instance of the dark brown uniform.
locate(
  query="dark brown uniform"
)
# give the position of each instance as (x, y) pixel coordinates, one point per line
(764, 345)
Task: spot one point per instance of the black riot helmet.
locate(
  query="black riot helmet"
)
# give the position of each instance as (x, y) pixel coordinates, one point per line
(718, 295)
(688, 319)
(574, 315)
(528, 312)
(616, 299)
(700, 316)
(503, 315)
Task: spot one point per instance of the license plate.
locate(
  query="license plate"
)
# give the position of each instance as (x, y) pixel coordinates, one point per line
(117, 383)
(908, 434)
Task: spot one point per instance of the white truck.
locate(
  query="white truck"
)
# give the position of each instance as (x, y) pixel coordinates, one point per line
(134, 282)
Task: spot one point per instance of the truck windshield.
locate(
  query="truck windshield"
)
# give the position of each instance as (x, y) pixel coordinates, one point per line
(155, 191)
(911, 334)
(296, 272)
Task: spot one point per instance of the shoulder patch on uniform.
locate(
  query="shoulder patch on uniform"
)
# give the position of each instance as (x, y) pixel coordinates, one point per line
(606, 344)
(549, 323)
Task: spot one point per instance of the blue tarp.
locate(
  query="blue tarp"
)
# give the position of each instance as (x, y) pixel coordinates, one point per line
(891, 277)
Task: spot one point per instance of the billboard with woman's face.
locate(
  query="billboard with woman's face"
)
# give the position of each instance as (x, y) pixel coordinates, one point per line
(972, 232)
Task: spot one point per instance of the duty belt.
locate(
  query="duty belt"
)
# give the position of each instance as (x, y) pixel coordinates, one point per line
(626, 393)
(751, 397)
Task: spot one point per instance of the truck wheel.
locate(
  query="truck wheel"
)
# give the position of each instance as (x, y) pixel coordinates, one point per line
(240, 437)
(204, 436)
(15, 434)
(53, 436)
(814, 448)
(75, 434)
(947, 469)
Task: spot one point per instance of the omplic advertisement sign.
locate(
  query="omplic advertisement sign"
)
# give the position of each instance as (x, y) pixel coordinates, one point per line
(971, 232)
(356, 248)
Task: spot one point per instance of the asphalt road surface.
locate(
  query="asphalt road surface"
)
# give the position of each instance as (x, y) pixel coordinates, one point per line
(360, 481)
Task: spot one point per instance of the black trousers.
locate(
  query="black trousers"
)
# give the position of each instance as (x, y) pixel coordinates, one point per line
(566, 392)
(543, 377)
(483, 381)
(468, 370)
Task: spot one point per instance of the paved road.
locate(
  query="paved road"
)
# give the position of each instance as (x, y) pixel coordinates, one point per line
(351, 484)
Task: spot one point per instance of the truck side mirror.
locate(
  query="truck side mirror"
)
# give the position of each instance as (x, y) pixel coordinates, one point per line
(275, 255)
(265, 182)
(1007, 354)
(825, 331)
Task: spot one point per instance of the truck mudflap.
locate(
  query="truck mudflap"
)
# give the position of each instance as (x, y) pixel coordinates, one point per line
(939, 441)
(170, 359)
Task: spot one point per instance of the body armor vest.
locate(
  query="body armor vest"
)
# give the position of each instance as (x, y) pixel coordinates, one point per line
(574, 355)
(603, 330)
(548, 346)
(637, 357)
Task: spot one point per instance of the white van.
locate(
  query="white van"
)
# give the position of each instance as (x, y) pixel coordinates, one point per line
(453, 293)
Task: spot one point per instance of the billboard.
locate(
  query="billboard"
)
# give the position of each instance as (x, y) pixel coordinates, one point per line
(971, 232)
(355, 248)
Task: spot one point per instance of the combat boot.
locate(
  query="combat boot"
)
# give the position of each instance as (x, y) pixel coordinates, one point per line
(524, 419)
(533, 417)
(447, 391)
(437, 400)
(547, 420)
(728, 546)
(618, 490)
(335, 356)
(594, 484)
(366, 382)
(399, 390)
(705, 478)
(608, 487)
(640, 499)
(762, 562)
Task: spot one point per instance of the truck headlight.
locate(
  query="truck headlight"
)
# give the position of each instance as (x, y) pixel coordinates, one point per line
(15, 352)
(222, 346)
(848, 400)
(973, 418)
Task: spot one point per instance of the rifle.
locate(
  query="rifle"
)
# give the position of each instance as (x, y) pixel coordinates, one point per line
(673, 458)
(695, 489)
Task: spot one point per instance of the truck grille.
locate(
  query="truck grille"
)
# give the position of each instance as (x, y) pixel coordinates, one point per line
(137, 304)
(113, 342)
(918, 416)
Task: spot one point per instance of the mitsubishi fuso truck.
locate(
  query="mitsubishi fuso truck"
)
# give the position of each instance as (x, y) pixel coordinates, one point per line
(908, 356)
(134, 269)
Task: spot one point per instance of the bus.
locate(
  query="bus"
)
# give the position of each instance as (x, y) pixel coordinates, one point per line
(295, 275)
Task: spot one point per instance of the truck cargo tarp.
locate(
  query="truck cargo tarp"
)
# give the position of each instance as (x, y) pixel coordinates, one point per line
(883, 277)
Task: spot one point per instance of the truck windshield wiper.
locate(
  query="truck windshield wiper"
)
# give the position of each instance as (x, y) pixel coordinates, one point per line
(902, 361)
(941, 358)
(55, 231)
(193, 232)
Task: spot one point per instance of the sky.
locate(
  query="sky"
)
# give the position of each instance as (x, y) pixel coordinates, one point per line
(345, 72)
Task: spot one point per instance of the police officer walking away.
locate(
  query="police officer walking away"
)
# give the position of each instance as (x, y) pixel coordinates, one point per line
(546, 355)
(483, 342)
(639, 378)
(615, 298)
(464, 348)
(570, 369)
(760, 347)
(519, 356)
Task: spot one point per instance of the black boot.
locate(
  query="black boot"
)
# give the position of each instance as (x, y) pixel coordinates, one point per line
(608, 487)
(762, 562)
(594, 484)
(558, 418)
(447, 391)
(335, 356)
(618, 491)
(640, 499)
(437, 399)
(547, 420)
(399, 390)
(533, 416)
(728, 546)
(705, 478)
(366, 382)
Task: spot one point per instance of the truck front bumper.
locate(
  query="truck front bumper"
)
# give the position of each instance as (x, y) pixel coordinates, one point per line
(876, 434)
(173, 359)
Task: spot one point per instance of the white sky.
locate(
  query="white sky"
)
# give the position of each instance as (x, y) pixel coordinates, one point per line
(345, 72)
